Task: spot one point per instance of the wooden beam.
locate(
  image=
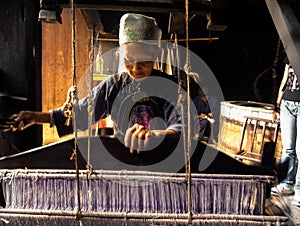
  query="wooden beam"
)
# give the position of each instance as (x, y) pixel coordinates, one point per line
(92, 20)
(288, 28)
(159, 6)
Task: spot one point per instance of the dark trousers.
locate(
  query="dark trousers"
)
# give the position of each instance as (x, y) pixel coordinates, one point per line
(205, 128)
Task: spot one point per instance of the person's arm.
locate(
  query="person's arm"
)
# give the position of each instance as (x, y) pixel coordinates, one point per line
(276, 116)
(102, 100)
(28, 118)
(140, 138)
(281, 87)
(202, 115)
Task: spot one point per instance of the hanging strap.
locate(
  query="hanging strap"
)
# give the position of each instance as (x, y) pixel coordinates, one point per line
(188, 143)
(69, 110)
(89, 167)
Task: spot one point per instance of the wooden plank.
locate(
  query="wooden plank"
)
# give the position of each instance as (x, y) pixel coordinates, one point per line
(57, 63)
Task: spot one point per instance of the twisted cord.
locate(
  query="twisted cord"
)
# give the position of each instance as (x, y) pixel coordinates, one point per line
(188, 143)
(271, 69)
(74, 107)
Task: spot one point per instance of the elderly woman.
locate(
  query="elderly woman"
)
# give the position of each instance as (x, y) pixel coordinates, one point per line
(126, 95)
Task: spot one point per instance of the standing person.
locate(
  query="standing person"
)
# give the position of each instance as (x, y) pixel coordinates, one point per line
(139, 39)
(288, 102)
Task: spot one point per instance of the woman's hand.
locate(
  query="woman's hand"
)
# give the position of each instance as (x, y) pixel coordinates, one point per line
(200, 116)
(139, 138)
(24, 119)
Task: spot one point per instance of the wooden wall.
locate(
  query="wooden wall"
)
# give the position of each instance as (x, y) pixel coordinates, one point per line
(57, 64)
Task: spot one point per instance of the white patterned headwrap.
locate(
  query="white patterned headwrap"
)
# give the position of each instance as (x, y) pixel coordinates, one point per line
(139, 28)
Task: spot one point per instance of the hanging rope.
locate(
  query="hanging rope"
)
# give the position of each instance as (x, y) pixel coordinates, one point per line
(89, 167)
(273, 71)
(184, 103)
(188, 143)
(71, 113)
(91, 102)
(181, 97)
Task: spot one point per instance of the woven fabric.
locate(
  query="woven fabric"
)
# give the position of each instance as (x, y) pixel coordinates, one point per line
(135, 192)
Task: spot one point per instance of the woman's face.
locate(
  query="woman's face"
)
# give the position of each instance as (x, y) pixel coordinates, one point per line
(139, 59)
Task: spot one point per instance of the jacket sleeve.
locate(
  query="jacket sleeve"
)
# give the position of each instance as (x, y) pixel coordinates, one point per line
(99, 97)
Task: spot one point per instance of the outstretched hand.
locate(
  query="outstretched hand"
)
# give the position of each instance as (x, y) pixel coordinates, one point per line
(24, 119)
